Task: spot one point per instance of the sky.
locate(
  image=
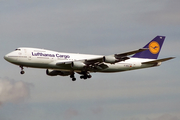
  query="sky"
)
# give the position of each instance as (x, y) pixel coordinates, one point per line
(102, 27)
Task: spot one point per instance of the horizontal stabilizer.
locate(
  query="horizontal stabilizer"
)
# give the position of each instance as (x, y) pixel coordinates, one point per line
(157, 61)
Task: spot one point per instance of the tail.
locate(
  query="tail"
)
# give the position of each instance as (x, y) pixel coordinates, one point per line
(154, 48)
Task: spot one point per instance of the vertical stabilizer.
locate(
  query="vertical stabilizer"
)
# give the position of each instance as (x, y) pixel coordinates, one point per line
(154, 47)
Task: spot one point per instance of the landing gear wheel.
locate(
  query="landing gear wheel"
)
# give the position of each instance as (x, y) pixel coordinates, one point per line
(89, 76)
(83, 77)
(73, 79)
(72, 76)
(22, 72)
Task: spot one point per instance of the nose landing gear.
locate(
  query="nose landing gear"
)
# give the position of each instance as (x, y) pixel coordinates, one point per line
(22, 71)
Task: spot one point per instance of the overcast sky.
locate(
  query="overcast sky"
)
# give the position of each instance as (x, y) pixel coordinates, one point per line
(93, 27)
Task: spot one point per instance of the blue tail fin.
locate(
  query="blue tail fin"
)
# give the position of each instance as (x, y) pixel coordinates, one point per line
(154, 47)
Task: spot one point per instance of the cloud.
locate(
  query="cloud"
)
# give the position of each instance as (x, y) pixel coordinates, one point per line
(70, 114)
(167, 14)
(166, 117)
(97, 110)
(162, 117)
(13, 91)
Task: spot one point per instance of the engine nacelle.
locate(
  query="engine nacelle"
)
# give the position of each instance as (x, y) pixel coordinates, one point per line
(77, 65)
(57, 72)
(110, 59)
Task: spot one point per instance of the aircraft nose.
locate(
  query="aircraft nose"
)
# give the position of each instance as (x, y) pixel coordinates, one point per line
(6, 57)
(9, 57)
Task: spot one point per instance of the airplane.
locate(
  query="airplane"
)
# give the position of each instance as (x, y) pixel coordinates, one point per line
(67, 64)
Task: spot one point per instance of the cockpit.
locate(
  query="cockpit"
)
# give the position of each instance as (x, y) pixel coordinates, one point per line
(17, 49)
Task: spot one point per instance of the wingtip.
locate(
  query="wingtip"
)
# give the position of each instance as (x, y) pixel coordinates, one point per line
(172, 57)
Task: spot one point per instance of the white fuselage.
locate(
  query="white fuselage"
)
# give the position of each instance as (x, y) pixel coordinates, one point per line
(47, 59)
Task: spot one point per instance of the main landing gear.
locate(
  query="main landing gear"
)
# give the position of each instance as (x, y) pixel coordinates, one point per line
(85, 75)
(73, 77)
(22, 71)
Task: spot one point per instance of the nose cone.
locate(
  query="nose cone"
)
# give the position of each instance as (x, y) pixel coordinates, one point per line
(10, 57)
(6, 57)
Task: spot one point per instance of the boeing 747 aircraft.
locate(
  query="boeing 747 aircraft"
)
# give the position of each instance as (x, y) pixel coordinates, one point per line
(67, 64)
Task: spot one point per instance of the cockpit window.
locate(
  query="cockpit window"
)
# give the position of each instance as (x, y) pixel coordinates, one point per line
(17, 49)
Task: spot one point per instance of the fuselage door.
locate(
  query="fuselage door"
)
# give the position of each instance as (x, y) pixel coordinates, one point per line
(27, 53)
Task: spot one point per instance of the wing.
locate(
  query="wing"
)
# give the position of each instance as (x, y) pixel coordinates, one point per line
(114, 58)
(158, 61)
(131, 52)
(99, 63)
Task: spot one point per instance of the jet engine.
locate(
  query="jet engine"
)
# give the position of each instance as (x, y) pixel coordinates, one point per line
(110, 59)
(77, 65)
(57, 72)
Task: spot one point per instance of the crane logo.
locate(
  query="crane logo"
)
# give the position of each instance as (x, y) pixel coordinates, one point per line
(154, 47)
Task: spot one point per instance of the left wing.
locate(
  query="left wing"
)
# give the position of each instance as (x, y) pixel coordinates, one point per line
(131, 52)
(98, 63)
(113, 58)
